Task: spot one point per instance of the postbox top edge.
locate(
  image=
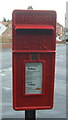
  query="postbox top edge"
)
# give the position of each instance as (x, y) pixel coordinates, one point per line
(19, 10)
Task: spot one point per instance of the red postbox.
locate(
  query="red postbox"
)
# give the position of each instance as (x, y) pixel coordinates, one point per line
(33, 55)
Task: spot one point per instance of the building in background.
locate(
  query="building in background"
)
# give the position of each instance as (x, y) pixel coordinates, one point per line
(66, 22)
(7, 33)
(2, 29)
(7, 36)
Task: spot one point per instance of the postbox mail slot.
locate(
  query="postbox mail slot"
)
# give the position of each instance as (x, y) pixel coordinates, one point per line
(31, 37)
(28, 26)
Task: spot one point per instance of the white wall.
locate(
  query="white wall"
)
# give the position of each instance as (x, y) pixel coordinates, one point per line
(2, 28)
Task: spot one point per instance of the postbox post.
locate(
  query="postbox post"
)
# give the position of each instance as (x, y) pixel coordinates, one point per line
(30, 114)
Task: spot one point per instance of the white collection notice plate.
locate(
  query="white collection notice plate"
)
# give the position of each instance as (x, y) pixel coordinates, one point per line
(33, 78)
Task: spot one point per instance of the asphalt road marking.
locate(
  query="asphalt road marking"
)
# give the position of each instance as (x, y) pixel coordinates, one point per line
(4, 70)
(2, 74)
(59, 59)
(6, 88)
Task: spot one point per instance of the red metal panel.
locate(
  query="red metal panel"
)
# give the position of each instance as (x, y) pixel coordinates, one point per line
(34, 32)
(30, 26)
